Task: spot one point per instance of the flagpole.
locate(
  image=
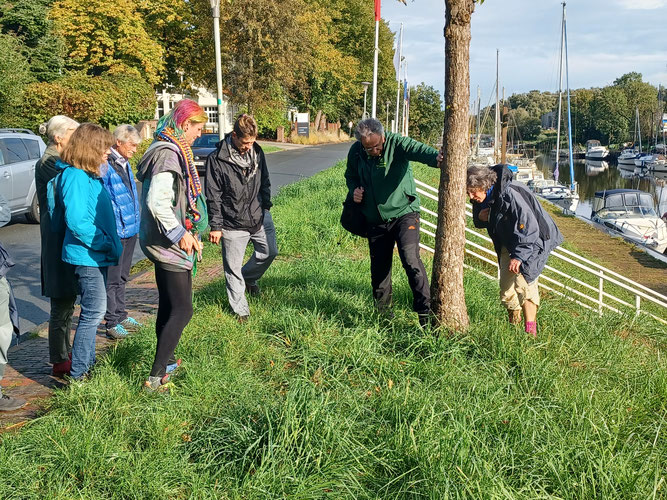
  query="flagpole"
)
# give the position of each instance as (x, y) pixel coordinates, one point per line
(398, 78)
(375, 58)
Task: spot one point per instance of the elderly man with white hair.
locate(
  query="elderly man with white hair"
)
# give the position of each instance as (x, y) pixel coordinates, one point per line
(120, 184)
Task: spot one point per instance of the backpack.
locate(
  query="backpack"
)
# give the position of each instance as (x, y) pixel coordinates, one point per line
(54, 203)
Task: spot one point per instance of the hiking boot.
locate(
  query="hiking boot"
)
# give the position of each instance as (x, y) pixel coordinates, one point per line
(514, 316)
(157, 384)
(61, 369)
(117, 332)
(242, 319)
(131, 325)
(253, 290)
(9, 403)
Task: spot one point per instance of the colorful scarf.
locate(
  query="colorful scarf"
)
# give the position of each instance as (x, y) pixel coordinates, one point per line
(193, 184)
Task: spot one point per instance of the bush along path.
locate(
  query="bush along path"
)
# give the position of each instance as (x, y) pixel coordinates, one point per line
(317, 397)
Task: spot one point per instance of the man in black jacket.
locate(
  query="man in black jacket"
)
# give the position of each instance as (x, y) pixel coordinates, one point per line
(238, 192)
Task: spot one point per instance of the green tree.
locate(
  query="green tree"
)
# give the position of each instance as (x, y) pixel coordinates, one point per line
(640, 96)
(107, 37)
(609, 112)
(426, 114)
(44, 50)
(14, 76)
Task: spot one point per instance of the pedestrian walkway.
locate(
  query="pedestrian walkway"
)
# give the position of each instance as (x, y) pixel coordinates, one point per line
(28, 373)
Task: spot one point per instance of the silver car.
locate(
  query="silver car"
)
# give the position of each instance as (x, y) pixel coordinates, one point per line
(19, 151)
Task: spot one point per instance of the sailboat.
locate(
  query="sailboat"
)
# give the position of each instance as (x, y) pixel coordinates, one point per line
(566, 196)
(629, 155)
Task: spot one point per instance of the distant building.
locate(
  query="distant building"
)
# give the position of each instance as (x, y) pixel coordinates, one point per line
(549, 120)
(207, 100)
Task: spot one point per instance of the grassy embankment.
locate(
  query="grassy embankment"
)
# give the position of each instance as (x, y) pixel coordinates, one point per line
(314, 397)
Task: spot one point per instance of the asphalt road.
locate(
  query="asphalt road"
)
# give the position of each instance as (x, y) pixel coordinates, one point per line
(22, 239)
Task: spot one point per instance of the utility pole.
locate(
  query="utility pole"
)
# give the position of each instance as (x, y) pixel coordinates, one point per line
(215, 13)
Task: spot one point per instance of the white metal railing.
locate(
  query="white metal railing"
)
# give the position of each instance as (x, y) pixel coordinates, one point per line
(591, 296)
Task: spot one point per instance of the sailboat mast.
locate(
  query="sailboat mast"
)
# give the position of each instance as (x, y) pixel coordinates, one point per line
(479, 103)
(569, 114)
(497, 118)
(560, 99)
(639, 132)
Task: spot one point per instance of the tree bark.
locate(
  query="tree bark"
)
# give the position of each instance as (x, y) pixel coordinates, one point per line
(448, 299)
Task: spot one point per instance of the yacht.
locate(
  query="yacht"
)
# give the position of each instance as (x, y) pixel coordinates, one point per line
(595, 151)
(631, 214)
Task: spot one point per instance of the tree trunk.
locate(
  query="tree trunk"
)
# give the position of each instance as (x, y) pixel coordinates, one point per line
(448, 299)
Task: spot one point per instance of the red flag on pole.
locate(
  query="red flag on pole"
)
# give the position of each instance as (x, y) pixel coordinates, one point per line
(377, 10)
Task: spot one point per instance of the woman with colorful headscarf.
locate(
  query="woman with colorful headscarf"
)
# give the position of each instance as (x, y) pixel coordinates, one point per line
(173, 215)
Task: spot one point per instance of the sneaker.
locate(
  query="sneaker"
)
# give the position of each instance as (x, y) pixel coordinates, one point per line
(117, 332)
(61, 369)
(172, 367)
(157, 384)
(9, 403)
(253, 290)
(130, 324)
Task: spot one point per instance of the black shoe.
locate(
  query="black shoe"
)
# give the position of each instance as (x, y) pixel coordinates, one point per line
(242, 319)
(8, 403)
(253, 290)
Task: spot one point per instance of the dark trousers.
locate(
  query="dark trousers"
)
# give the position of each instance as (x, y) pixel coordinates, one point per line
(404, 232)
(60, 327)
(117, 277)
(173, 314)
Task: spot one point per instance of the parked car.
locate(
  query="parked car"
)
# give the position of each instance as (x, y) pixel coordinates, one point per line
(19, 151)
(201, 148)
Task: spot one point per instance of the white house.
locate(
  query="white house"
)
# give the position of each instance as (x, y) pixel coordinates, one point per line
(207, 100)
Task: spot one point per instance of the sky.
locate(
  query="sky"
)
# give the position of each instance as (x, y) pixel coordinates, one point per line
(606, 39)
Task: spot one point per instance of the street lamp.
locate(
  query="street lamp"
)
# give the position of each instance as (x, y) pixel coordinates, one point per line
(215, 13)
(365, 84)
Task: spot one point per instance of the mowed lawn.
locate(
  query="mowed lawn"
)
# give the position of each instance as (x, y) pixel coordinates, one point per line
(317, 397)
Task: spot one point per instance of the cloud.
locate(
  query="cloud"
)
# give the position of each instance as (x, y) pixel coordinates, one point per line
(642, 4)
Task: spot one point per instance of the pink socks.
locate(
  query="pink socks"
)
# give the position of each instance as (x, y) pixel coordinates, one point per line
(531, 327)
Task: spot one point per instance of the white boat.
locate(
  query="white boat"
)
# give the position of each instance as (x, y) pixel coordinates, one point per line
(644, 160)
(595, 151)
(629, 155)
(631, 214)
(657, 165)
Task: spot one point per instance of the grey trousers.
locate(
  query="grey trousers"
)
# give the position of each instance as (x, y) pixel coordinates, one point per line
(234, 244)
(6, 327)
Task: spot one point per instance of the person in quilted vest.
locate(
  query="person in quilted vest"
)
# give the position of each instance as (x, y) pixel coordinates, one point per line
(120, 184)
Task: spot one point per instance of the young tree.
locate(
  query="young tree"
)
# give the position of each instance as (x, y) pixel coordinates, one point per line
(448, 298)
(426, 114)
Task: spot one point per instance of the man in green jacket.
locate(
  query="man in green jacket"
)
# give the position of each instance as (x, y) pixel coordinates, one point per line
(379, 177)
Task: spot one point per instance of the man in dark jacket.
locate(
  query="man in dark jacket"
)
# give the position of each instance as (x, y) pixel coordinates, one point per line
(523, 235)
(238, 192)
(9, 317)
(379, 177)
(119, 182)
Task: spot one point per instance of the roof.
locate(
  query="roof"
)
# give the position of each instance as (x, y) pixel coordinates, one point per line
(602, 194)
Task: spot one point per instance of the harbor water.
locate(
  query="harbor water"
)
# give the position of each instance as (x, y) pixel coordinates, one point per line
(592, 176)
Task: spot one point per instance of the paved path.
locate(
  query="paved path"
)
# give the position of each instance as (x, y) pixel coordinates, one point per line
(22, 239)
(28, 373)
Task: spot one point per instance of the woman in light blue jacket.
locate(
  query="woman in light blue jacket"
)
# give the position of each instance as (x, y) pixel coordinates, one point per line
(91, 242)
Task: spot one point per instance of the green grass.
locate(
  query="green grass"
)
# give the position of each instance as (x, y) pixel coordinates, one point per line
(317, 397)
(271, 149)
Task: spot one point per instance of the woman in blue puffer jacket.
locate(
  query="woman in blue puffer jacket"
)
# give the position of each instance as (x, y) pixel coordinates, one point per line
(120, 184)
(91, 242)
